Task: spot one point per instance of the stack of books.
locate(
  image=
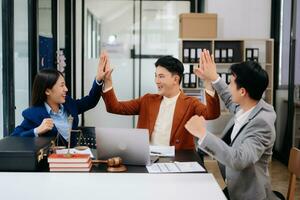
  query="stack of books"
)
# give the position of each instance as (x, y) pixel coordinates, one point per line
(75, 163)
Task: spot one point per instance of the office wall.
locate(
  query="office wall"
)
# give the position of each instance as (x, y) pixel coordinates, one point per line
(241, 18)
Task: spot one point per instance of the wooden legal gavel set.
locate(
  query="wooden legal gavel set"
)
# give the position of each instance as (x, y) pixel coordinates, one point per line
(111, 162)
(114, 164)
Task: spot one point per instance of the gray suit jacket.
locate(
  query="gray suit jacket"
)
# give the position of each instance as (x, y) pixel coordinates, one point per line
(246, 159)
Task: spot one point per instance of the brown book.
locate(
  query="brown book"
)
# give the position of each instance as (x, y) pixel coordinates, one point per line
(62, 158)
(69, 164)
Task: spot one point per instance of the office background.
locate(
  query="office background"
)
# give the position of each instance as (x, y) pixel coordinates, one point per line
(135, 33)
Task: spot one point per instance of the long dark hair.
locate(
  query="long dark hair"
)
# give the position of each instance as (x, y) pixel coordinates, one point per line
(44, 80)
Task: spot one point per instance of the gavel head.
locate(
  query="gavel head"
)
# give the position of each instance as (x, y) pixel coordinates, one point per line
(114, 162)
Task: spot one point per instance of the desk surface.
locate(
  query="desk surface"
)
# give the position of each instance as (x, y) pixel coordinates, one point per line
(182, 156)
(78, 186)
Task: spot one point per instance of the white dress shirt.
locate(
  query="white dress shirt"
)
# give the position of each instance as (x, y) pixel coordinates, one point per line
(163, 124)
(239, 120)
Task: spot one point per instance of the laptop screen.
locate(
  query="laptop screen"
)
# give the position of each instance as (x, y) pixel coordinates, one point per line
(131, 144)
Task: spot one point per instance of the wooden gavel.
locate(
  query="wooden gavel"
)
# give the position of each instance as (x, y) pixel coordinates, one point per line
(111, 162)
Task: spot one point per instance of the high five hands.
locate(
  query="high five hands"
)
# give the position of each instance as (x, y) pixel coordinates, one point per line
(104, 70)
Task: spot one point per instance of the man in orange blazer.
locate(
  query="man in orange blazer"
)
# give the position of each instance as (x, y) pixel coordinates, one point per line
(164, 114)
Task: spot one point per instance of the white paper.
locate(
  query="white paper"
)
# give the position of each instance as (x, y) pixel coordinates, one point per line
(175, 167)
(162, 151)
(189, 167)
(75, 151)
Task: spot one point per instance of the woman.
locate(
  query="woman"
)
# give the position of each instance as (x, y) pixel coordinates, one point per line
(52, 109)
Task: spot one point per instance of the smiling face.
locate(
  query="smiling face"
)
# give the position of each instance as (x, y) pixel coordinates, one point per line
(57, 94)
(167, 83)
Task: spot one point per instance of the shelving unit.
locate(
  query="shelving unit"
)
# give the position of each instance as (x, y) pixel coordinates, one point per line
(235, 52)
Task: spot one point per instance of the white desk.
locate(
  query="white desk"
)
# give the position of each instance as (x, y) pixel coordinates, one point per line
(101, 186)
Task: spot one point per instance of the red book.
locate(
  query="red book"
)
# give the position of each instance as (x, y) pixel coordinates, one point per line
(62, 158)
(69, 164)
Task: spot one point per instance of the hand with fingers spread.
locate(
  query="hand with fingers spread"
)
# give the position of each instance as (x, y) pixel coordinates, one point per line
(107, 73)
(196, 126)
(102, 70)
(207, 68)
(46, 125)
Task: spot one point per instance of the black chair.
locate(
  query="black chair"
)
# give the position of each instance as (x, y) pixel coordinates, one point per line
(85, 136)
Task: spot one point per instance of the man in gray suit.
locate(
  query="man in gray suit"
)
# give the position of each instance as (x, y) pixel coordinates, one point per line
(245, 149)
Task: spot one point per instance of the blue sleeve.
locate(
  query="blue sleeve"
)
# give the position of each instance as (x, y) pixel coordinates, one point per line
(90, 101)
(25, 129)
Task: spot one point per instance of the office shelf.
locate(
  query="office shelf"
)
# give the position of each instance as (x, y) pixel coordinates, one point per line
(238, 46)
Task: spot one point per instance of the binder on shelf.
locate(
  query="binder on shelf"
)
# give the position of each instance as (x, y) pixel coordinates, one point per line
(223, 55)
(193, 80)
(200, 83)
(186, 55)
(217, 55)
(223, 76)
(192, 55)
(255, 54)
(228, 78)
(229, 55)
(199, 51)
(186, 80)
(192, 77)
(249, 53)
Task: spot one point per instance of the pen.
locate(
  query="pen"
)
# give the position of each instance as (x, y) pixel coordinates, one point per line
(155, 152)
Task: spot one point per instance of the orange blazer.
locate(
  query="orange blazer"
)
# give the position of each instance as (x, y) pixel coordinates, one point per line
(147, 107)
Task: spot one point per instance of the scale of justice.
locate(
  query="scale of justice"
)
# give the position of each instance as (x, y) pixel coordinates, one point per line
(114, 164)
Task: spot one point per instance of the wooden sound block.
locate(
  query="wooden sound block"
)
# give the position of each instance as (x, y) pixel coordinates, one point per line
(81, 148)
(120, 168)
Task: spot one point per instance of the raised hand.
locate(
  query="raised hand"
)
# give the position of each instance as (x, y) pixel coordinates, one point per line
(102, 70)
(46, 125)
(196, 126)
(108, 71)
(207, 68)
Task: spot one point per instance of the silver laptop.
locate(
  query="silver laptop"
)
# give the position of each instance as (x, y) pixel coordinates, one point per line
(131, 144)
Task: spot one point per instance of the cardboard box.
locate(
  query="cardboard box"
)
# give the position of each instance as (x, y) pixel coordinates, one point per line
(197, 25)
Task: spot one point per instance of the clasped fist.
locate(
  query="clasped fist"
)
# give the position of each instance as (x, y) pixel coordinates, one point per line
(46, 125)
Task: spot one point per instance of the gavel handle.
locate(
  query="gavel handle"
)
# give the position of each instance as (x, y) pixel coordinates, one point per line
(98, 161)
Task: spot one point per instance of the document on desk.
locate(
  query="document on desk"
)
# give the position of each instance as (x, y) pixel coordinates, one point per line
(75, 151)
(162, 151)
(175, 167)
